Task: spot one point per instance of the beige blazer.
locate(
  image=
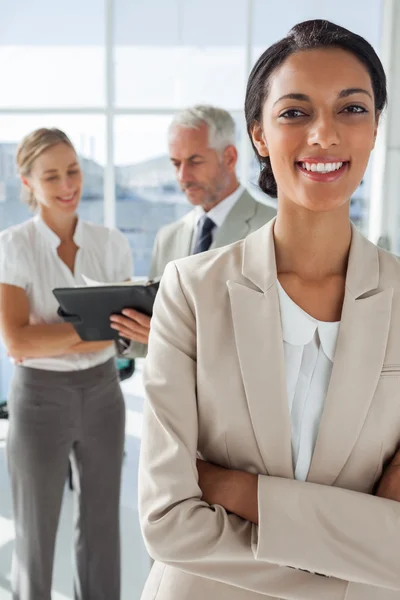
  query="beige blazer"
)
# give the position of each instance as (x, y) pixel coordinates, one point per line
(175, 240)
(215, 385)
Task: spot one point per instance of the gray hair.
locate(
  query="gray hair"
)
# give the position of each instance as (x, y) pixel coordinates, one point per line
(221, 126)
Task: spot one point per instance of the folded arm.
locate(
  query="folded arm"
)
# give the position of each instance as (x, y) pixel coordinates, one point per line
(180, 528)
(325, 530)
(23, 340)
(329, 530)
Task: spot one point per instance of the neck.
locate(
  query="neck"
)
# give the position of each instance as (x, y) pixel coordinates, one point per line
(312, 245)
(63, 225)
(227, 191)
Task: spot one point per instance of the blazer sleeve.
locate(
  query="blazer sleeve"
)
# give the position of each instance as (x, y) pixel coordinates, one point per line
(329, 530)
(179, 528)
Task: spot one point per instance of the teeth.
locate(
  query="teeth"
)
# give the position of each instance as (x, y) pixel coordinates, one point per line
(322, 167)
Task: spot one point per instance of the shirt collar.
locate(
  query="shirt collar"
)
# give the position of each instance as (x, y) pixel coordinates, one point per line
(219, 213)
(298, 327)
(53, 238)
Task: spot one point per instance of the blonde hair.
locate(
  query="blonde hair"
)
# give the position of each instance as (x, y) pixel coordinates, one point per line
(30, 148)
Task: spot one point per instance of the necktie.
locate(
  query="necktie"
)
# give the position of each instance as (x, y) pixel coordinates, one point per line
(205, 235)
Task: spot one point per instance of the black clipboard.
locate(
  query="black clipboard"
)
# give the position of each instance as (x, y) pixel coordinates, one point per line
(89, 308)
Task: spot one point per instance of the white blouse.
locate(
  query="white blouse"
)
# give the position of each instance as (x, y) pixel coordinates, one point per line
(29, 259)
(309, 349)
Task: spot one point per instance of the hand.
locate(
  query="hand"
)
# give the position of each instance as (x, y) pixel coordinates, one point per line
(17, 359)
(236, 491)
(212, 480)
(389, 485)
(133, 325)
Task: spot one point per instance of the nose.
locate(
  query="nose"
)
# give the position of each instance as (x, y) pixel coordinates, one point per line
(183, 173)
(66, 183)
(324, 132)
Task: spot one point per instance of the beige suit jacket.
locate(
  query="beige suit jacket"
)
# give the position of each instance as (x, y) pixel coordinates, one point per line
(175, 240)
(215, 385)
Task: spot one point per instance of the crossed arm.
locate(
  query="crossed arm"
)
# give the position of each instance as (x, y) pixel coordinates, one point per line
(237, 528)
(237, 491)
(347, 534)
(24, 340)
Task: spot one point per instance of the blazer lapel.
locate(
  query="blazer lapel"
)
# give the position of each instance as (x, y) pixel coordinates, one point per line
(358, 362)
(258, 335)
(185, 236)
(236, 225)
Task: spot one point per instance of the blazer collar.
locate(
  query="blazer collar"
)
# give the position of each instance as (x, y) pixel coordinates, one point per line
(358, 360)
(362, 270)
(235, 226)
(237, 222)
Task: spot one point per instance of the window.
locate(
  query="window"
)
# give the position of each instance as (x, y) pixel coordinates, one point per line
(148, 196)
(181, 52)
(52, 54)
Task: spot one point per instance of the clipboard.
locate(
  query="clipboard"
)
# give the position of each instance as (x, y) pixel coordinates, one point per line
(89, 308)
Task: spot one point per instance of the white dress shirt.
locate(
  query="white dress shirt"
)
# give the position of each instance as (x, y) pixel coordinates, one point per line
(218, 214)
(309, 349)
(29, 259)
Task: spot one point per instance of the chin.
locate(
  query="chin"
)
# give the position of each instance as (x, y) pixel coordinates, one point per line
(195, 200)
(323, 206)
(322, 202)
(68, 209)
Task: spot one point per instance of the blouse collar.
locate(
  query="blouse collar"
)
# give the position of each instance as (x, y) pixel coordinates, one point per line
(298, 327)
(52, 237)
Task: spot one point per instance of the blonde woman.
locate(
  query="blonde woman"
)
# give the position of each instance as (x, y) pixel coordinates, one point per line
(65, 395)
(273, 372)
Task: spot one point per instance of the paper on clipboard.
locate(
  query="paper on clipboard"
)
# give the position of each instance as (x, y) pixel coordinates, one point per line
(93, 283)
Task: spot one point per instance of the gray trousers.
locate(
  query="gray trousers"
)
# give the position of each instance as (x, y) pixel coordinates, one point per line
(54, 415)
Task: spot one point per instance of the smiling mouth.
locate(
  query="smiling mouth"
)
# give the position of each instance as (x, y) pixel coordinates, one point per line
(323, 171)
(322, 167)
(67, 199)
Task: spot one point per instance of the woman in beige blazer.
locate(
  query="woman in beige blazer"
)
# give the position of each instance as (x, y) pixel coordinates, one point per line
(226, 511)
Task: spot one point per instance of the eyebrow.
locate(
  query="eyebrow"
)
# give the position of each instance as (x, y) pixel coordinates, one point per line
(343, 94)
(74, 164)
(351, 91)
(189, 158)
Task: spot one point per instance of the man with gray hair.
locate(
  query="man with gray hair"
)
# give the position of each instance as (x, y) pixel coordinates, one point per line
(203, 152)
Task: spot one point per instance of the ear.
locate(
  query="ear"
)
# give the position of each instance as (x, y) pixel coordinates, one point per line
(257, 135)
(25, 182)
(230, 157)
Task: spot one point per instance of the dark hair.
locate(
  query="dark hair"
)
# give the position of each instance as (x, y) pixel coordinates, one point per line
(308, 35)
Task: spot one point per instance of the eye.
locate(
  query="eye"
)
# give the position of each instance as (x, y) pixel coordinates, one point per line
(75, 172)
(292, 113)
(53, 178)
(355, 109)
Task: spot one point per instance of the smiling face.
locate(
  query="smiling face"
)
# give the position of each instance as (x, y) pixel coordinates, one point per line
(56, 180)
(318, 127)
